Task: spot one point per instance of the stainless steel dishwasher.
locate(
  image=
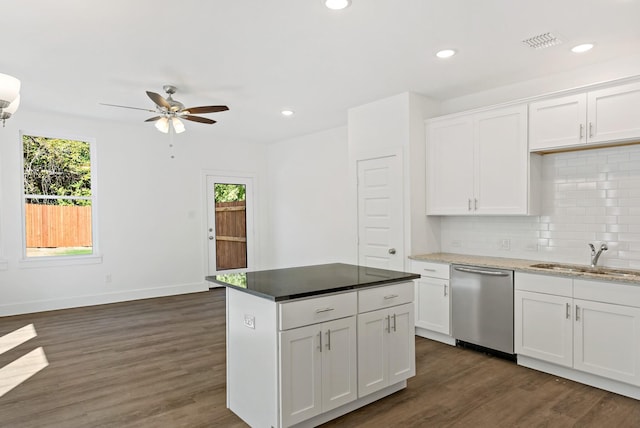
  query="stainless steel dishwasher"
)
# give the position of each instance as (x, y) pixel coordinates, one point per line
(482, 307)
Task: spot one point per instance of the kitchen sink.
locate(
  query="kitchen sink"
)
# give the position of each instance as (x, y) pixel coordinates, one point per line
(569, 268)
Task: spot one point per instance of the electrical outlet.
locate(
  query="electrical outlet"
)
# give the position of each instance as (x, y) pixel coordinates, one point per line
(505, 244)
(249, 321)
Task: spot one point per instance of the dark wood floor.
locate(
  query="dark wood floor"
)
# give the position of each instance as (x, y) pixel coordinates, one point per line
(161, 363)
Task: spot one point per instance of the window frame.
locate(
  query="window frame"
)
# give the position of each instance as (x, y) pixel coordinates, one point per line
(74, 259)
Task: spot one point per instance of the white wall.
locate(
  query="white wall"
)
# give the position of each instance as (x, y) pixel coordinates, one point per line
(395, 125)
(588, 196)
(598, 73)
(150, 213)
(311, 214)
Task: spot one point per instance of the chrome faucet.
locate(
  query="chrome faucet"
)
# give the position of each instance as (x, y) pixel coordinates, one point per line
(595, 256)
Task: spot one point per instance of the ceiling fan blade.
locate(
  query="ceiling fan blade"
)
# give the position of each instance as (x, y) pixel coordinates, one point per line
(159, 100)
(133, 108)
(197, 119)
(153, 119)
(206, 109)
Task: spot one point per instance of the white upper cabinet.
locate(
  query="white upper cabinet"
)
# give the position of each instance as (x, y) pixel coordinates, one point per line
(450, 169)
(558, 122)
(479, 163)
(614, 114)
(602, 116)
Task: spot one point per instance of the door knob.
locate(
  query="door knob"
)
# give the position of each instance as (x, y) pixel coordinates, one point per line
(392, 250)
(211, 238)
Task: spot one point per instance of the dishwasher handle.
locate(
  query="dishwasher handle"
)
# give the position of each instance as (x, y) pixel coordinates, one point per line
(481, 271)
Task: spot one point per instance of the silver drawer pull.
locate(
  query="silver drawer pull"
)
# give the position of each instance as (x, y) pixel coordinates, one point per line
(429, 270)
(319, 311)
(390, 296)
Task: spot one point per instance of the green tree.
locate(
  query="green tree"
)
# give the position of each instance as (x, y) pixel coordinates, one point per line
(230, 192)
(56, 167)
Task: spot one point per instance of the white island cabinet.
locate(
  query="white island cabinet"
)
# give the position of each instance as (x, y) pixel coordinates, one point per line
(294, 336)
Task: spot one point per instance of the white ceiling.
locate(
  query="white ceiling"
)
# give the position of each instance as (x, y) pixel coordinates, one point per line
(259, 56)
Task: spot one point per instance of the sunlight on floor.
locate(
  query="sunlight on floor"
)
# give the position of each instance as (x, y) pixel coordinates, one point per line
(17, 337)
(16, 372)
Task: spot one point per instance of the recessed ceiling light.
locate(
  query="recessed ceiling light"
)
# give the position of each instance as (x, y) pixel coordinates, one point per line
(446, 53)
(287, 112)
(582, 48)
(337, 4)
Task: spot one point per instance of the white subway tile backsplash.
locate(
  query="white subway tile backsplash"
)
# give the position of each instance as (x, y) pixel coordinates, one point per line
(587, 196)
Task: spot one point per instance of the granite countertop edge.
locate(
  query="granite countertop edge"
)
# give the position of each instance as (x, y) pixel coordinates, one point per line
(519, 265)
(318, 292)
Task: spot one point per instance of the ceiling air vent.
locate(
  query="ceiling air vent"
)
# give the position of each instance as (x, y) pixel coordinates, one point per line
(542, 41)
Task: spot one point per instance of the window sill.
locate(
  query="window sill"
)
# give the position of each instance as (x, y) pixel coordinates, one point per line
(51, 261)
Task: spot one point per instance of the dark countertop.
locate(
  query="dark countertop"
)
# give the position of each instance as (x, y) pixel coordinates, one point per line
(306, 281)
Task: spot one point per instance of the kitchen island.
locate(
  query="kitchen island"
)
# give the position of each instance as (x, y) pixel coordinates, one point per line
(308, 344)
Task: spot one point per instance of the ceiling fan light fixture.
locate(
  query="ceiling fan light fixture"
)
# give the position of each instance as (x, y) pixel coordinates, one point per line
(337, 4)
(162, 125)
(13, 107)
(178, 126)
(9, 90)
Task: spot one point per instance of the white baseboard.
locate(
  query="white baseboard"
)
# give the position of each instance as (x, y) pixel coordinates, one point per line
(100, 299)
(428, 334)
(581, 377)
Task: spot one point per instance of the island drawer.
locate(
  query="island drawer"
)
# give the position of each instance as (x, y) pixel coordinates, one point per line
(385, 296)
(299, 313)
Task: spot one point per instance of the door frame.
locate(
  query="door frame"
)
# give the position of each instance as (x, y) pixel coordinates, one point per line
(234, 177)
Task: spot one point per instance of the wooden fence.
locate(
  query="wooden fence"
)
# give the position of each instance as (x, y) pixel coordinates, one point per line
(55, 226)
(231, 235)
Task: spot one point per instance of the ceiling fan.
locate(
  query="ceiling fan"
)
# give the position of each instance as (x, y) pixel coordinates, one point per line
(170, 111)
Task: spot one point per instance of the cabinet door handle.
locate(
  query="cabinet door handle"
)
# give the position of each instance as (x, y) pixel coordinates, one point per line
(590, 129)
(390, 296)
(320, 334)
(581, 131)
(469, 204)
(475, 204)
(319, 311)
(577, 313)
(388, 324)
(329, 340)
(568, 311)
(445, 290)
(394, 322)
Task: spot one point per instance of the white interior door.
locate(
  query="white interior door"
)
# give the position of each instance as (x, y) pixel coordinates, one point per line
(380, 211)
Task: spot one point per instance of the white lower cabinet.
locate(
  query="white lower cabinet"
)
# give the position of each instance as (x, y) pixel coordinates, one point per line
(386, 348)
(543, 327)
(589, 326)
(318, 369)
(432, 304)
(607, 340)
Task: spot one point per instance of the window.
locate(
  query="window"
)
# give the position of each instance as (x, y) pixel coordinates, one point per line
(59, 197)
